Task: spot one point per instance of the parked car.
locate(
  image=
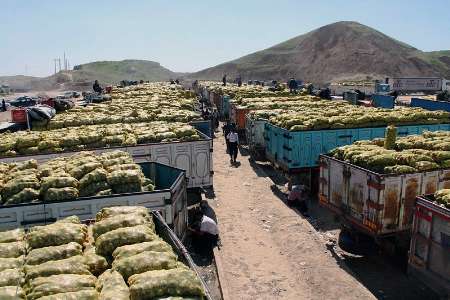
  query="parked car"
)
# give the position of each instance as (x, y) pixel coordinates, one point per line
(23, 101)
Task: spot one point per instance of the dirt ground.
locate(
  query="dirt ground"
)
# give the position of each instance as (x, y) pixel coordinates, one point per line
(270, 251)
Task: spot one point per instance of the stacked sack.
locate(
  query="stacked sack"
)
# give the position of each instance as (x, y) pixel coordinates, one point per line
(56, 267)
(19, 182)
(12, 256)
(67, 178)
(94, 137)
(126, 237)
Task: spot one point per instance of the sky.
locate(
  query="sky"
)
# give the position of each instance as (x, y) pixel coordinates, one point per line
(190, 35)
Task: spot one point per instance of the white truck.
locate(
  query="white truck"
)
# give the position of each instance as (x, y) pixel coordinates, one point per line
(419, 84)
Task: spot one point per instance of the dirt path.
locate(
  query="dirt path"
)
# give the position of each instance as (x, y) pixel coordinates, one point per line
(268, 251)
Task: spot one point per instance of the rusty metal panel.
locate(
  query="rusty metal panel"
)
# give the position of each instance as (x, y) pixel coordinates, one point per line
(410, 190)
(391, 197)
(444, 179)
(430, 181)
(373, 213)
(421, 248)
(357, 192)
(337, 183)
(324, 188)
(439, 261)
(440, 227)
(423, 227)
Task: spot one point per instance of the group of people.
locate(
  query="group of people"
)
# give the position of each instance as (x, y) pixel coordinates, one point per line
(238, 80)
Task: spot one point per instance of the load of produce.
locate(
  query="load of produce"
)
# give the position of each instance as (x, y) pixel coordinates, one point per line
(411, 154)
(173, 282)
(323, 114)
(67, 178)
(12, 253)
(94, 137)
(143, 103)
(442, 197)
(244, 91)
(112, 286)
(62, 261)
(136, 250)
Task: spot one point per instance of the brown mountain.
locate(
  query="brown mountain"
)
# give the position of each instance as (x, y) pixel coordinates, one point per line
(342, 50)
(82, 76)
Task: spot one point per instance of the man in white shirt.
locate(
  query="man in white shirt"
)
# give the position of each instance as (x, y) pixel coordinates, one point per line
(206, 233)
(233, 140)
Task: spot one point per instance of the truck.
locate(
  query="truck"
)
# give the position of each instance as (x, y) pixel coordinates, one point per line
(377, 205)
(169, 198)
(429, 255)
(194, 157)
(420, 84)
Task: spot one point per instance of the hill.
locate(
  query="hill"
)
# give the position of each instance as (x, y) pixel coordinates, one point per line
(82, 76)
(342, 50)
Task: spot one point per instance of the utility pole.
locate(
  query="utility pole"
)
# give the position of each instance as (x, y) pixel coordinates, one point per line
(65, 62)
(59, 64)
(55, 60)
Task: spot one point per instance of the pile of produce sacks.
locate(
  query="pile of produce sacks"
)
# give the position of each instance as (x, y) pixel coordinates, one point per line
(67, 178)
(94, 137)
(324, 114)
(411, 154)
(119, 257)
(442, 197)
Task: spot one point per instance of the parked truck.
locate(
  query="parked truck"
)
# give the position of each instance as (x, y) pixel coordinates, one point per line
(378, 205)
(419, 84)
(169, 198)
(429, 254)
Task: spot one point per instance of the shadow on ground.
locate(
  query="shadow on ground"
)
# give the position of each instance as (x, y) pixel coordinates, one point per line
(384, 276)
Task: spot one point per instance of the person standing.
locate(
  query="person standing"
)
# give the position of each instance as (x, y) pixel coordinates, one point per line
(224, 80)
(3, 105)
(96, 87)
(233, 140)
(293, 85)
(239, 81)
(226, 131)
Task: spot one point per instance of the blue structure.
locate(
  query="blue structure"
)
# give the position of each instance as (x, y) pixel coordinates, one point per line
(204, 127)
(430, 104)
(383, 101)
(226, 106)
(301, 149)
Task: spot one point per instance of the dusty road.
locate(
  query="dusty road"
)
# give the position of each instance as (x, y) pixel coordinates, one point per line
(268, 251)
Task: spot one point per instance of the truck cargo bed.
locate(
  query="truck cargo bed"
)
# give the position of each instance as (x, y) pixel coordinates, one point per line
(375, 204)
(194, 157)
(292, 150)
(429, 254)
(169, 198)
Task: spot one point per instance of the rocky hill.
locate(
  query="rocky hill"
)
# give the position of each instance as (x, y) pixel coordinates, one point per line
(82, 76)
(339, 51)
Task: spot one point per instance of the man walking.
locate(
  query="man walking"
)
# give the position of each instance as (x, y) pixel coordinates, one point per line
(226, 131)
(233, 140)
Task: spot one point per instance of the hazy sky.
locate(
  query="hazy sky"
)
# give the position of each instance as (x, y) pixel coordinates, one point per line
(191, 35)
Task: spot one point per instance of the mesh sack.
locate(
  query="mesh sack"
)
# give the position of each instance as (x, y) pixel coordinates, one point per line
(143, 262)
(173, 282)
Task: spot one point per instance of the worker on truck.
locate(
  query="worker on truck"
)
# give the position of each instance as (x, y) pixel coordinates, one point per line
(96, 87)
(205, 233)
(293, 85)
